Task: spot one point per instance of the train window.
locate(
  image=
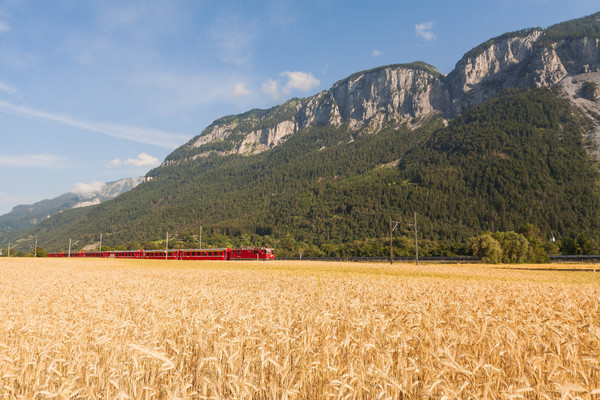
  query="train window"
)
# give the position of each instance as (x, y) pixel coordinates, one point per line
(255, 251)
(239, 252)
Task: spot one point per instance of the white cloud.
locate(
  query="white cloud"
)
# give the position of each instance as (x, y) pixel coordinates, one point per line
(375, 53)
(30, 160)
(424, 30)
(296, 80)
(271, 88)
(4, 27)
(142, 160)
(135, 134)
(8, 88)
(88, 189)
(302, 81)
(239, 90)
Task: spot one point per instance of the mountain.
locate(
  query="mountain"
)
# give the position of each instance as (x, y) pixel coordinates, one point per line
(27, 216)
(406, 93)
(507, 138)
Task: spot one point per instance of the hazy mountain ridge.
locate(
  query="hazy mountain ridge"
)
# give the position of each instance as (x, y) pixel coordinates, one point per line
(28, 215)
(404, 93)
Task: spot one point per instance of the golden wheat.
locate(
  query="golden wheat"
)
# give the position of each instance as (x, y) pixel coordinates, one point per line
(108, 329)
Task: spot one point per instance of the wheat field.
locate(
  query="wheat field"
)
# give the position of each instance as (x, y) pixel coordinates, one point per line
(112, 329)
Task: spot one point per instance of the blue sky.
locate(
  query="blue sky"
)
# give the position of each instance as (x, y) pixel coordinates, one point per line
(94, 91)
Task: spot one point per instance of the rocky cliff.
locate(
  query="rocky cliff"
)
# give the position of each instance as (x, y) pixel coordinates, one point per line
(406, 93)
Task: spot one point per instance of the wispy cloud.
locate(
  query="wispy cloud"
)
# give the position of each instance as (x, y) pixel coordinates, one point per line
(170, 93)
(233, 37)
(142, 160)
(424, 30)
(296, 80)
(31, 160)
(8, 88)
(271, 88)
(4, 27)
(375, 53)
(136, 134)
(239, 90)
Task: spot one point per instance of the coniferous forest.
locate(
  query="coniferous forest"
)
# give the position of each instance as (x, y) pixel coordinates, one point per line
(517, 160)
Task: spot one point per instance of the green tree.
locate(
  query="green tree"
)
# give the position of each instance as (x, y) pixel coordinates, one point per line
(488, 248)
(39, 252)
(515, 247)
(539, 247)
(133, 246)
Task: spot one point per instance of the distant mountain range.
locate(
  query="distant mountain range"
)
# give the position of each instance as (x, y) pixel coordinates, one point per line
(29, 215)
(509, 137)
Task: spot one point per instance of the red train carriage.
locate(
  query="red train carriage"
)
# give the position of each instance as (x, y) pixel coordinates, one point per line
(73, 254)
(204, 254)
(251, 254)
(94, 254)
(159, 254)
(184, 254)
(125, 254)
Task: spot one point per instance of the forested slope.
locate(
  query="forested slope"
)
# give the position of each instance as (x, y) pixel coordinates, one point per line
(516, 159)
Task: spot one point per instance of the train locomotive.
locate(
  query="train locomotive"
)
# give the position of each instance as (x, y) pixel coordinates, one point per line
(225, 254)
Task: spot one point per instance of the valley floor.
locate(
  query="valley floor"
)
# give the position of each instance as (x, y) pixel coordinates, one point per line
(299, 330)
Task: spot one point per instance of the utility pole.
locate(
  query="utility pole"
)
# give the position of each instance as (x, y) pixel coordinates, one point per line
(393, 226)
(199, 238)
(100, 242)
(9, 249)
(35, 249)
(74, 243)
(413, 227)
(167, 246)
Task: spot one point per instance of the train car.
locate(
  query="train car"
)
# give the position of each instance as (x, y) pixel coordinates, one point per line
(95, 254)
(204, 254)
(56, 255)
(62, 254)
(262, 253)
(223, 254)
(159, 254)
(125, 254)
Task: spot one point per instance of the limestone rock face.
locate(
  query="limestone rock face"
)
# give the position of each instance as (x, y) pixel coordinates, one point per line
(522, 63)
(396, 93)
(393, 93)
(406, 93)
(493, 64)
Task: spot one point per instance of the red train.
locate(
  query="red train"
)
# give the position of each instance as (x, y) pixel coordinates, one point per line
(255, 253)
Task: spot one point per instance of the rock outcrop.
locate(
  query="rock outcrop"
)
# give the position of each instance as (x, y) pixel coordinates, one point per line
(404, 93)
